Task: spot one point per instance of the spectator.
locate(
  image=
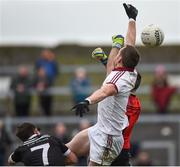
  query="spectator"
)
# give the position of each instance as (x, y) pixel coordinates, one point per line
(47, 61)
(143, 159)
(4, 142)
(42, 85)
(60, 131)
(80, 85)
(161, 91)
(20, 86)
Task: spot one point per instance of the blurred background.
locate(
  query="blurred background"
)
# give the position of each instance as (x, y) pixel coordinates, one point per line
(46, 67)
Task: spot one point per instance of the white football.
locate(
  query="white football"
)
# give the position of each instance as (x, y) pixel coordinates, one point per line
(152, 35)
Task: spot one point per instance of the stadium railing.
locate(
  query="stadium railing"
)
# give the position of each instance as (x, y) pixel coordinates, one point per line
(94, 68)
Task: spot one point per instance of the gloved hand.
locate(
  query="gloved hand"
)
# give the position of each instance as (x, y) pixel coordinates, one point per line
(118, 41)
(131, 11)
(99, 54)
(81, 108)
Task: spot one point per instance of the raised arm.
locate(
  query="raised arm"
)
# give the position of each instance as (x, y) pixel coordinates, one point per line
(131, 12)
(131, 33)
(118, 43)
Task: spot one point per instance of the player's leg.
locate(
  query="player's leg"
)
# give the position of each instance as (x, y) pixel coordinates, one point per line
(80, 143)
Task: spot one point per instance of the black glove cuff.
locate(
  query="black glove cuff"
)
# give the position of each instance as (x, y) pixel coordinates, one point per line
(134, 18)
(87, 102)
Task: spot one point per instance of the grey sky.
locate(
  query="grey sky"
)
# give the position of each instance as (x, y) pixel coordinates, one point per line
(49, 22)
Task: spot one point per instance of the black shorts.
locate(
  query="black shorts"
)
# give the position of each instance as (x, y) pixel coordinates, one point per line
(123, 158)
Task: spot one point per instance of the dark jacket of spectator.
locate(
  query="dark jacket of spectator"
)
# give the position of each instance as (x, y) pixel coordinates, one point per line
(21, 86)
(42, 85)
(41, 82)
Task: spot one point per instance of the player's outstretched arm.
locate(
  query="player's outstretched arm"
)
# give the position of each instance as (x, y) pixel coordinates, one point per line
(131, 12)
(99, 95)
(117, 44)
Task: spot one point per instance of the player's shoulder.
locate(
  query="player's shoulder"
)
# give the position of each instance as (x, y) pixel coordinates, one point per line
(45, 137)
(54, 139)
(36, 139)
(20, 149)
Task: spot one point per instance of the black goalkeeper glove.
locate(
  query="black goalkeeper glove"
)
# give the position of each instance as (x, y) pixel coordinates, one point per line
(81, 108)
(131, 11)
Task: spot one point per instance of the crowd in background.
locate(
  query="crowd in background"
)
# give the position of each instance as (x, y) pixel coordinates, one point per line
(44, 76)
(46, 70)
(45, 73)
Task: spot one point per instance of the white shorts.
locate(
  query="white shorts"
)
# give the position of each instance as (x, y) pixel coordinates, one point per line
(104, 148)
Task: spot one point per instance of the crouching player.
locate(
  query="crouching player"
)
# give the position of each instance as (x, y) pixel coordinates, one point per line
(40, 150)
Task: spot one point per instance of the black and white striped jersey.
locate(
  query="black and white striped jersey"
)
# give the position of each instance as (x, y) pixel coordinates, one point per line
(41, 150)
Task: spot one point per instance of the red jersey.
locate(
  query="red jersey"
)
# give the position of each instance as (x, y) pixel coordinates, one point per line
(133, 112)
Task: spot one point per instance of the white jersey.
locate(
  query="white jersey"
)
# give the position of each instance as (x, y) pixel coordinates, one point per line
(111, 111)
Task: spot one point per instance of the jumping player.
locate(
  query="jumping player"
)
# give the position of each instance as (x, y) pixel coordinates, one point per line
(133, 107)
(105, 138)
(40, 150)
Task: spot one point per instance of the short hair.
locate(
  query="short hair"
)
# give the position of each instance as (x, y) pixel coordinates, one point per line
(25, 130)
(130, 56)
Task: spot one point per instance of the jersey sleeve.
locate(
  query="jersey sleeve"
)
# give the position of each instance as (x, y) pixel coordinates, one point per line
(65, 150)
(16, 155)
(119, 80)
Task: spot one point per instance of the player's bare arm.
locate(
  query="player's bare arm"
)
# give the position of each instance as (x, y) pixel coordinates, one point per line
(108, 61)
(131, 12)
(110, 64)
(99, 95)
(131, 33)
